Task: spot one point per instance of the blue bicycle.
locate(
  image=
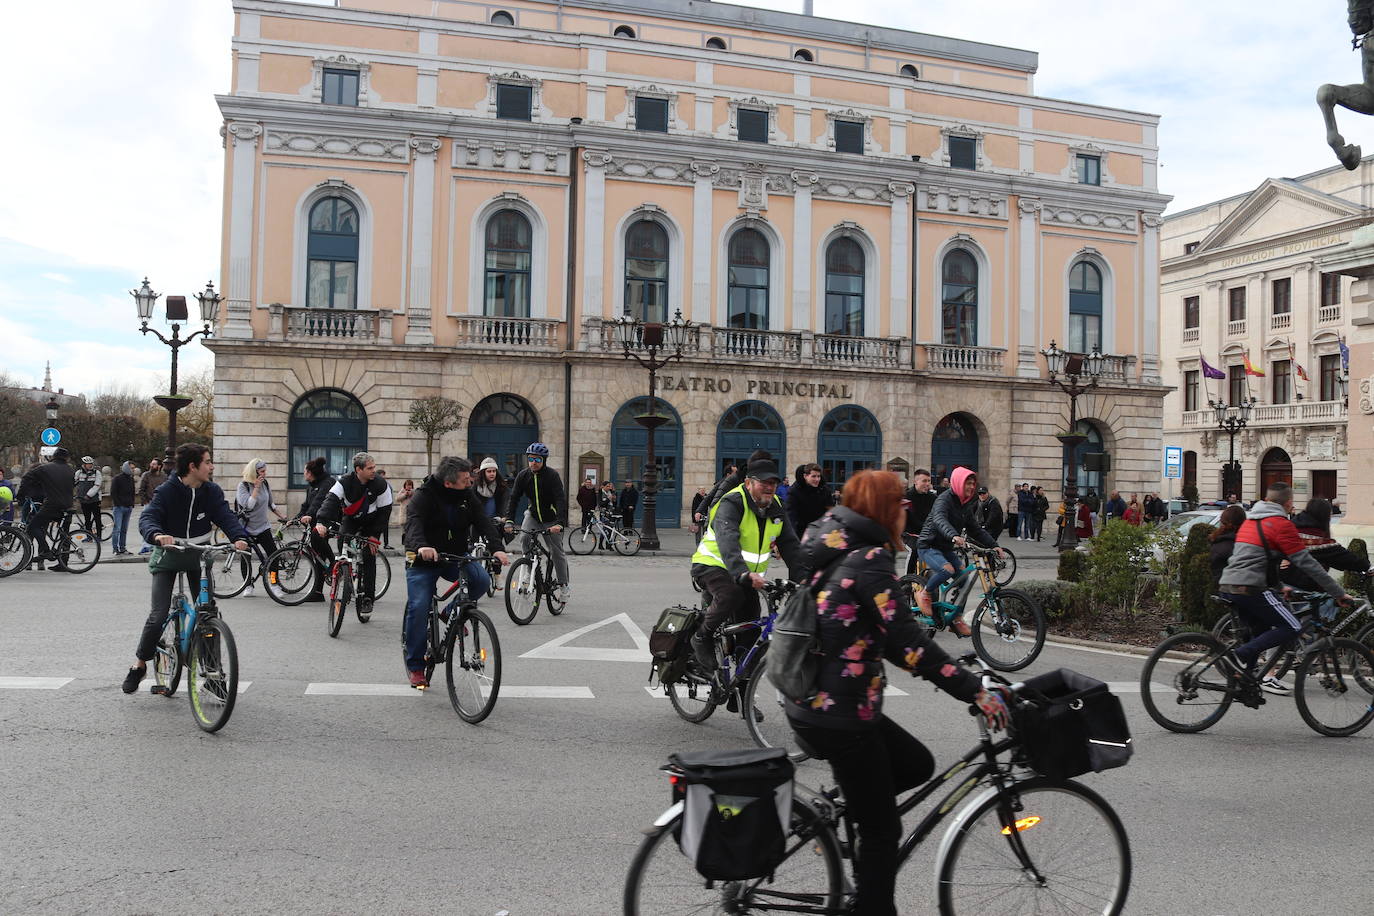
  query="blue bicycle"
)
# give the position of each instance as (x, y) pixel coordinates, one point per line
(197, 639)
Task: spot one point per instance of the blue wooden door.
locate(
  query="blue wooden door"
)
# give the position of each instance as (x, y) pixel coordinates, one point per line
(630, 449)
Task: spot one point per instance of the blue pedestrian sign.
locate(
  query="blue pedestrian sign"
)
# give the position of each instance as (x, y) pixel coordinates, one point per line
(51, 436)
(1173, 462)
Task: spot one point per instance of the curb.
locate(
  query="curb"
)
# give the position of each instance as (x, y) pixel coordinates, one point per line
(1074, 642)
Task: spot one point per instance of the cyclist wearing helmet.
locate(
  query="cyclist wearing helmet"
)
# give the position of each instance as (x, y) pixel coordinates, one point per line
(88, 485)
(548, 510)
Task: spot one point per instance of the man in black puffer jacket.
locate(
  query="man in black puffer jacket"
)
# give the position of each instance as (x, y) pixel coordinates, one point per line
(950, 524)
(53, 484)
(360, 503)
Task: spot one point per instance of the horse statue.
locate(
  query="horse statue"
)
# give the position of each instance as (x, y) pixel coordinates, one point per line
(1357, 97)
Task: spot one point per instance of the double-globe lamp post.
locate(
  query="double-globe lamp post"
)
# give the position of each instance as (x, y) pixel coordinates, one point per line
(145, 299)
(654, 337)
(1067, 370)
(1231, 419)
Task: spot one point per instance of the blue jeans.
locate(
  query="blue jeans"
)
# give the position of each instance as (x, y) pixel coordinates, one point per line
(937, 559)
(421, 579)
(121, 527)
(1025, 524)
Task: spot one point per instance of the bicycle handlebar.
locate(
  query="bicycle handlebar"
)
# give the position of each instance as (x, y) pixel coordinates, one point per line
(184, 545)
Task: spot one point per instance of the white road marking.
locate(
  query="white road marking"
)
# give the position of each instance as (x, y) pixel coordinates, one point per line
(544, 693)
(34, 683)
(243, 686)
(360, 690)
(558, 648)
(514, 692)
(889, 691)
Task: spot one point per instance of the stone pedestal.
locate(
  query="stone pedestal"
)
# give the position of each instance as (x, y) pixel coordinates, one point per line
(1358, 499)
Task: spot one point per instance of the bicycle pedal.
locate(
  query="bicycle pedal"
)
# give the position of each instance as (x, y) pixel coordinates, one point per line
(159, 690)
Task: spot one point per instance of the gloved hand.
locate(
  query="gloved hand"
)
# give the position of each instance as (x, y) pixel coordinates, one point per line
(993, 706)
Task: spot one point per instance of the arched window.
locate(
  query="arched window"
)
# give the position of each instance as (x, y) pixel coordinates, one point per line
(747, 295)
(953, 444)
(844, 288)
(646, 271)
(501, 17)
(911, 71)
(959, 299)
(624, 31)
(508, 265)
(1085, 308)
(501, 427)
(1078, 458)
(849, 440)
(325, 423)
(747, 427)
(717, 44)
(803, 54)
(332, 252)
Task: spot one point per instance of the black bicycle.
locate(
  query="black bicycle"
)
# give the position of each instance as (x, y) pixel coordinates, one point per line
(531, 580)
(462, 639)
(1019, 843)
(70, 546)
(16, 549)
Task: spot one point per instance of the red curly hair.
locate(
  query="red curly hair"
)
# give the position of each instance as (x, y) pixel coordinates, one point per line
(877, 495)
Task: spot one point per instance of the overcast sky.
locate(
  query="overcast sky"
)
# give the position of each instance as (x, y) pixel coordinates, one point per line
(114, 168)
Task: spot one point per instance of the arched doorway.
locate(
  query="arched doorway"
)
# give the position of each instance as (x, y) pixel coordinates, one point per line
(630, 447)
(747, 427)
(326, 423)
(1275, 467)
(1093, 444)
(849, 440)
(502, 426)
(953, 444)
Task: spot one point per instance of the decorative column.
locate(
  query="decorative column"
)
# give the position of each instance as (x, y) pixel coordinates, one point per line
(803, 316)
(899, 308)
(1149, 341)
(702, 224)
(594, 233)
(1028, 234)
(420, 308)
(238, 304)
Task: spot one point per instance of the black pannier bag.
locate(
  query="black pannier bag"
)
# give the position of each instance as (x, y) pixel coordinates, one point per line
(669, 642)
(1073, 724)
(737, 806)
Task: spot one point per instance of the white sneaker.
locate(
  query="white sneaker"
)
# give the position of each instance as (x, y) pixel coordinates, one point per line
(248, 592)
(1273, 685)
(564, 594)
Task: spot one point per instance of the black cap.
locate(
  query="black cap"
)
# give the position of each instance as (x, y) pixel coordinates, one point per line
(763, 470)
(982, 490)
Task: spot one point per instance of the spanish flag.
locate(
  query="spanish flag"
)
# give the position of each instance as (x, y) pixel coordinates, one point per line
(1297, 366)
(1250, 368)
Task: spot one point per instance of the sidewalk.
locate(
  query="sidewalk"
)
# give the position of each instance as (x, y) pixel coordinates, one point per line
(679, 542)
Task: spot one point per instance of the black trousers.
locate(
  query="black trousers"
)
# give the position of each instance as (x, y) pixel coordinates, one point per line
(37, 527)
(872, 767)
(157, 617)
(90, 512)
(730, 601)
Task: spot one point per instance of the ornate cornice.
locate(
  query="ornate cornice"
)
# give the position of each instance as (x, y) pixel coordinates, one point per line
(425, 146)
(499, 155)
(241, 130)
(1088, 218)
(961, 200)
(338, 146)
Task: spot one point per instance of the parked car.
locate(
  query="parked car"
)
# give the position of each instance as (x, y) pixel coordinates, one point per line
(1183, 522)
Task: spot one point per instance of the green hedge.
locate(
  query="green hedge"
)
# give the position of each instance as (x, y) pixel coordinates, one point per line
(1071, 565)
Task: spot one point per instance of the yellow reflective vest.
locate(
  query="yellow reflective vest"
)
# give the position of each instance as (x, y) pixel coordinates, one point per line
(755, 540)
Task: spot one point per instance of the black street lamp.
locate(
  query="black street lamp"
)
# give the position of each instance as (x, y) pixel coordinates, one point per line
(654, 337)
(1073, 367)
(145, 299)
(1231, 419)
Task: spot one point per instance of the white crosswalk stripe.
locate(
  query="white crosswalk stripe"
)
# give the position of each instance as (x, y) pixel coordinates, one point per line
(34, 683)
(513, 691)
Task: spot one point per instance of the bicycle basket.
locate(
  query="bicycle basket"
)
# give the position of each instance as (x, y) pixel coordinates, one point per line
(1070, 725)
(736, 810)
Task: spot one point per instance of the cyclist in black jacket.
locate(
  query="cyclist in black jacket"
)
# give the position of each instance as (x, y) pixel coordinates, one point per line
(548, 510)
(318, 481)
(53, 484)
(361, 503)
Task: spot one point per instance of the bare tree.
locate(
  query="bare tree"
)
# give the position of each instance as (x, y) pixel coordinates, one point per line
(435, 416)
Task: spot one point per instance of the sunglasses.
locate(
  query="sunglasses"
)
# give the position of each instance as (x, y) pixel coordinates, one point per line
(533, 458)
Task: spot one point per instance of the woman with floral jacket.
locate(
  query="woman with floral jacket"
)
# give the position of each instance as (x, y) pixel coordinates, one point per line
(863, 620)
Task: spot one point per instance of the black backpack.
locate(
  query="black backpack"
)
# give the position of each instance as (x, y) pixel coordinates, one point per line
(794, 648)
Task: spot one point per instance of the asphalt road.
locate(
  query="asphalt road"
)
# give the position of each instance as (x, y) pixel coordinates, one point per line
(313, 802)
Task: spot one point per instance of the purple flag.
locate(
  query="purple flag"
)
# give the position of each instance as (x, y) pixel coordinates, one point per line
(1345, 356)
(1210, 371)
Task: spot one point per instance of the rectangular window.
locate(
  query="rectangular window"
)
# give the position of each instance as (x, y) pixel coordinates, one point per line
(1281, 390)
(963, 153)
(1236, 388)
(340, 87)
(1192, 312)
(651, 114)
(752, 124)
(1190, 390)
(514, 102)
(1283, 296)
(1237, 297)
(1331, 289)
(1330, 368)
(1089, 170)
(1190, 247)
(849, 137)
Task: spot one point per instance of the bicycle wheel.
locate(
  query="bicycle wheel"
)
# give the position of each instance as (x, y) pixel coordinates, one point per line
(167, 655)
(233, 572)
(1335, 688)
(106, 525)
(627, 542)
(473, 670)
(1003, 568)
(553, 597)
(1008, 629)
(692, 696)
(663, 881)
(1190, 692)
(1225, 629)
(382, 580)
(217, 536)
(768, 727)
(339, 596)
(290, 575)
(1078, 857)
(16, 550)
(493, 576)
(212, 674)
(522, 595)
(581, 541)
(77, 550)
